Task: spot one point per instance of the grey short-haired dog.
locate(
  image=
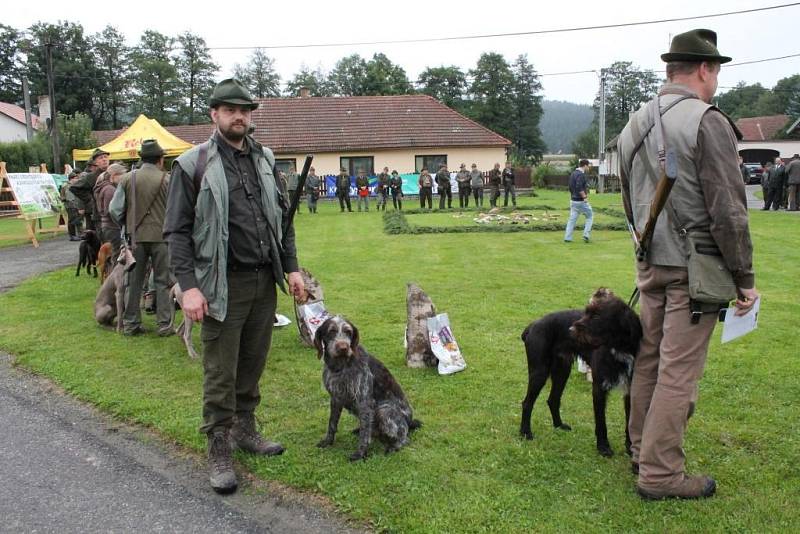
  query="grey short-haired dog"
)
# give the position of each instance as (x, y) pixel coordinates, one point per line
(360, 383)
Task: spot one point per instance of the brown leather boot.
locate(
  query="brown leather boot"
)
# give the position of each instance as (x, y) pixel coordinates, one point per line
(220, 461)
(692, 487)
(245, 437)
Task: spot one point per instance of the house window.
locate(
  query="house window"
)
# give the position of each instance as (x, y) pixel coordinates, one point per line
(430, 162)
(354, 164)
(285, 165)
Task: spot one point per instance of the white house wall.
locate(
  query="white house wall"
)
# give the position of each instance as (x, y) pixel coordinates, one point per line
(11, 130)
(404, 160)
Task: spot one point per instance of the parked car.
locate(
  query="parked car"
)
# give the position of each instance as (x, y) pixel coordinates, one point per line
(755, 172)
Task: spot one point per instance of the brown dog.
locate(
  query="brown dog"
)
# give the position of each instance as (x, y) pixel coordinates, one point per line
(184, 330)
(110, 300)
(104, 262)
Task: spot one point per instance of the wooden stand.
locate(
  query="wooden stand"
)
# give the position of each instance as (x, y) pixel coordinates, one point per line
(32, 224)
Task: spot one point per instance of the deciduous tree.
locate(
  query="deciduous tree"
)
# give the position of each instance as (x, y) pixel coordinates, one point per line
(259, 75)
(196, 75)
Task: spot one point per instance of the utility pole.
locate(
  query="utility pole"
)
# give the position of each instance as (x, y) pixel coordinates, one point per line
(26, 96)
(53, 113)
(601, 137)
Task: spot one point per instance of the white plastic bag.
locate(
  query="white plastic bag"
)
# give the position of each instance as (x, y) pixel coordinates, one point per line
(313, 315)
(444, 346)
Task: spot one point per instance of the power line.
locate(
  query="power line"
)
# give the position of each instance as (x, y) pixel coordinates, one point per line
(511, 34)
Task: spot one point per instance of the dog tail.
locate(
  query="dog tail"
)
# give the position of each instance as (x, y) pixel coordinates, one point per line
(414, 424)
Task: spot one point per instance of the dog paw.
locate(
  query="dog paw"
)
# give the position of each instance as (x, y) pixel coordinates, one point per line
(565, 427)
(358, 455)
(326, 442)
(527, 435)
(605, 450)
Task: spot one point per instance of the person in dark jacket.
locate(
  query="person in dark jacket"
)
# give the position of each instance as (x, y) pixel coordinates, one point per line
(343, 190)
(445, 189)
(777, 182)
(508, 185)
(495, 179)
(362, 190)
(230, 246)
(396, 187)
(83, 188)
(382, 189)
(579, 203)
(425, 188)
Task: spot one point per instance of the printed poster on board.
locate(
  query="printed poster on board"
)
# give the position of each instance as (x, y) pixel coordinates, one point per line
(36, 194)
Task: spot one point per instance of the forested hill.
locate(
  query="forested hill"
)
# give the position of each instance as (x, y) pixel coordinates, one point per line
(562, 122)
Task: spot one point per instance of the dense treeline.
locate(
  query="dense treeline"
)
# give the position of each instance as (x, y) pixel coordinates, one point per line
(169, 78)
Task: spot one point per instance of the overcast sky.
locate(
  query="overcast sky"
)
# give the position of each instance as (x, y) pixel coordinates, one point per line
(745, 37)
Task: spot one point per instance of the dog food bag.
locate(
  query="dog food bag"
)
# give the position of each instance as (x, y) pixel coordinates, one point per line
(444, 345)
(312, 316)
(418, 346)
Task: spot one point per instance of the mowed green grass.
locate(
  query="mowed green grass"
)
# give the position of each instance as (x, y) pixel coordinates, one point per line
(466, 470)
(13, 231)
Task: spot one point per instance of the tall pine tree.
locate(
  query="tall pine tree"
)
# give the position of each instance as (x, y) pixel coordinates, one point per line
(155, 79)
(196, 76)
(527, 138)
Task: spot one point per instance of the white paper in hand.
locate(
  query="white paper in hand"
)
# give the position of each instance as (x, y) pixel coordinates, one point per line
(737, 326)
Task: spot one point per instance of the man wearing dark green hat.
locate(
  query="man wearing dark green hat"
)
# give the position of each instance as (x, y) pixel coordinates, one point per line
(139, 203)
(83, 188)
(696, 144)
(229, 247)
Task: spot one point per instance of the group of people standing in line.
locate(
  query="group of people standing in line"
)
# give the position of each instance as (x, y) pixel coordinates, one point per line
(106, 197)
(391, 184)
(781, 184)
(468, 182)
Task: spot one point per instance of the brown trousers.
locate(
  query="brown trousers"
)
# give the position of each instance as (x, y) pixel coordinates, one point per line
(671, 358)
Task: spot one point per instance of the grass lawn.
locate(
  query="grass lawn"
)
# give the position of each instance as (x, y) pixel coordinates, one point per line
(13, 232)
(466, 470)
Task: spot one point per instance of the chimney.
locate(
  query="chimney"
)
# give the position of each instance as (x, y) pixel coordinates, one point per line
(305, 92)
(44, 108)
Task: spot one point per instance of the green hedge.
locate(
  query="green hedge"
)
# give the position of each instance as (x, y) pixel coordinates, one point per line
(20, 155)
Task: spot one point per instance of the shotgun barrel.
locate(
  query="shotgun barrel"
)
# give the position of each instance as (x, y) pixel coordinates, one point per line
(295, 200)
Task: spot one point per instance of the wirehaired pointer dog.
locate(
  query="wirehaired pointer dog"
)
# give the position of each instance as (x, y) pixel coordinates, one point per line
(606, 336)
(359, 382)
(87, 253)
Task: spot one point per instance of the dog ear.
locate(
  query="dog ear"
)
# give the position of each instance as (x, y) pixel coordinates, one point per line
(319, 338)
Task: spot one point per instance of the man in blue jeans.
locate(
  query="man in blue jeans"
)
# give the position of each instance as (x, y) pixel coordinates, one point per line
(579, 192)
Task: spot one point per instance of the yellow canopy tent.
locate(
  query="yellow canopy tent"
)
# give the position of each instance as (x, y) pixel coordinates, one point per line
(127, 144)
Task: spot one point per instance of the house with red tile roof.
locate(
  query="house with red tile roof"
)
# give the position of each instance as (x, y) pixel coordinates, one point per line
(765, 138)
(12, 123)
(403, 132)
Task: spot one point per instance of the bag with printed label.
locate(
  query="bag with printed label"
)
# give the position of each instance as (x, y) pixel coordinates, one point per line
(444, 345)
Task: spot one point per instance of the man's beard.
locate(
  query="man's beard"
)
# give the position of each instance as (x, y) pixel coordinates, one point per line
(231, 134)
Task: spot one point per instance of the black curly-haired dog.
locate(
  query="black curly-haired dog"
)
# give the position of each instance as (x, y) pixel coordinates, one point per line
(606, 336)
(359, 382)
(87, 253)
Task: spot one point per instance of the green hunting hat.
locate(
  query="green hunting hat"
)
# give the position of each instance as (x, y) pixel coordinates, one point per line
(96, 154)
(150, 149)
(695, 45)
(231, 91)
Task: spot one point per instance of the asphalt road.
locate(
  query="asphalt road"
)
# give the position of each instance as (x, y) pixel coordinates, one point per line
(65, 467)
